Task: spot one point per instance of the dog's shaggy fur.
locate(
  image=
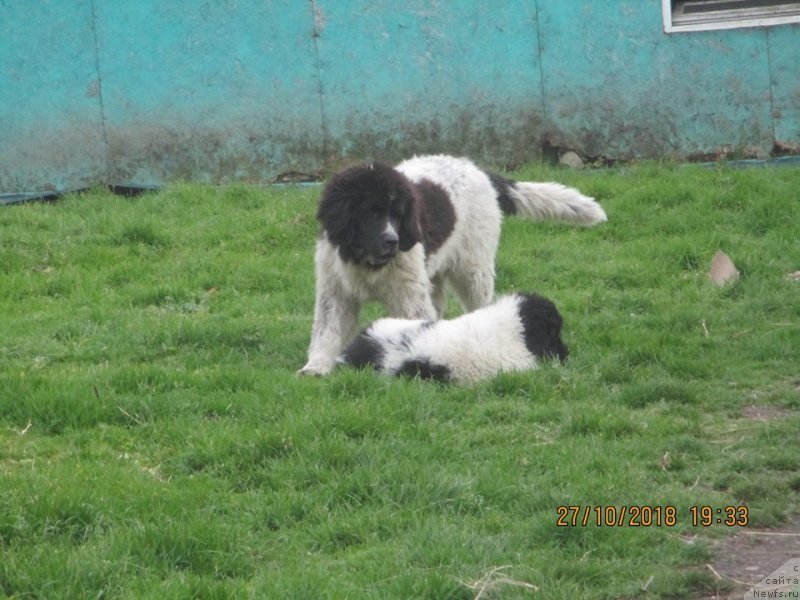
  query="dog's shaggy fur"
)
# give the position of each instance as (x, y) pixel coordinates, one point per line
(512, 334)
(397, 234)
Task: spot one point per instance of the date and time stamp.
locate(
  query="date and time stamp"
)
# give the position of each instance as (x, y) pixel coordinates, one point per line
(651, 516)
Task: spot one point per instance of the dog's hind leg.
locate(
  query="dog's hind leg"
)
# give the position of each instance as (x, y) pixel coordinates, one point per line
(474, 288)
(414, 305)
(438, 296)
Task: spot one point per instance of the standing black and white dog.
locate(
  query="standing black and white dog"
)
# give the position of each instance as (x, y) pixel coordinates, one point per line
(397, 234)
(513, 334)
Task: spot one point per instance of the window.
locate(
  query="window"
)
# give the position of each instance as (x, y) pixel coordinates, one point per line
(702, 15)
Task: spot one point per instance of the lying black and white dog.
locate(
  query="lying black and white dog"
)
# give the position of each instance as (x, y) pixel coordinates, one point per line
(512, 334)
(398, 234)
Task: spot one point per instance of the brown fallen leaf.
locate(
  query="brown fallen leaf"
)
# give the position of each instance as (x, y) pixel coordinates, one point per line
(722, 269)
(665, 462)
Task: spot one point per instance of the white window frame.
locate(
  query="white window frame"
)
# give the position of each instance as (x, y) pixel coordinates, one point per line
(676, 22)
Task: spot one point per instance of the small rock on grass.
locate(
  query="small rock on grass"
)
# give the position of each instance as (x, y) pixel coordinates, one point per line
(722, 269)
(571, 159)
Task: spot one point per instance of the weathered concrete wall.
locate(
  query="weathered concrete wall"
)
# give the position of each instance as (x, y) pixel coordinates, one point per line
(622, 88)
(461, 76)
(141, 92)
(784, 64)
(218, 91)
(51, 129)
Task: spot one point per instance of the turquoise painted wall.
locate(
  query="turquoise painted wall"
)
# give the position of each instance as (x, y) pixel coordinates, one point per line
(51, 127)
(142, 92)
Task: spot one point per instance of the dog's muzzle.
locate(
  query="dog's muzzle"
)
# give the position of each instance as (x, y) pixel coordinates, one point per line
(388, 244)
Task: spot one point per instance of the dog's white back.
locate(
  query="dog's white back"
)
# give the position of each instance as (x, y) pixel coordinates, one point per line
(504, 336)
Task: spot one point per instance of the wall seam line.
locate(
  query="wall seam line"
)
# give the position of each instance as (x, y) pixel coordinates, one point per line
(541, 65)
(316, 32)
(772, 118)
(100, 98)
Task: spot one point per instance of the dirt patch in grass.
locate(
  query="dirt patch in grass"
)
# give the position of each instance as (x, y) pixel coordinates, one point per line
(747, 557)
(763, 413)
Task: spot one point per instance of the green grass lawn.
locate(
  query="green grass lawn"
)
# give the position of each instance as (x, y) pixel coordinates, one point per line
(156, 443)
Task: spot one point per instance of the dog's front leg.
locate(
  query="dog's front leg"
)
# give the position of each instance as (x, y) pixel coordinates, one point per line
(335, 321)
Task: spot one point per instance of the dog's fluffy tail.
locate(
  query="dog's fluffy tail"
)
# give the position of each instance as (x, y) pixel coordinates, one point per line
(551, 202)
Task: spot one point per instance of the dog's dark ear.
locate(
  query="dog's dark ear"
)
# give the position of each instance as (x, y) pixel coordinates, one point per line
(409, 231)
(334, 212)
(541, 324)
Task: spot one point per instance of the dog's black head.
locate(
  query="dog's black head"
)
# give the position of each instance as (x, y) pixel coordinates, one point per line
(541, 323)
(369, 213)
